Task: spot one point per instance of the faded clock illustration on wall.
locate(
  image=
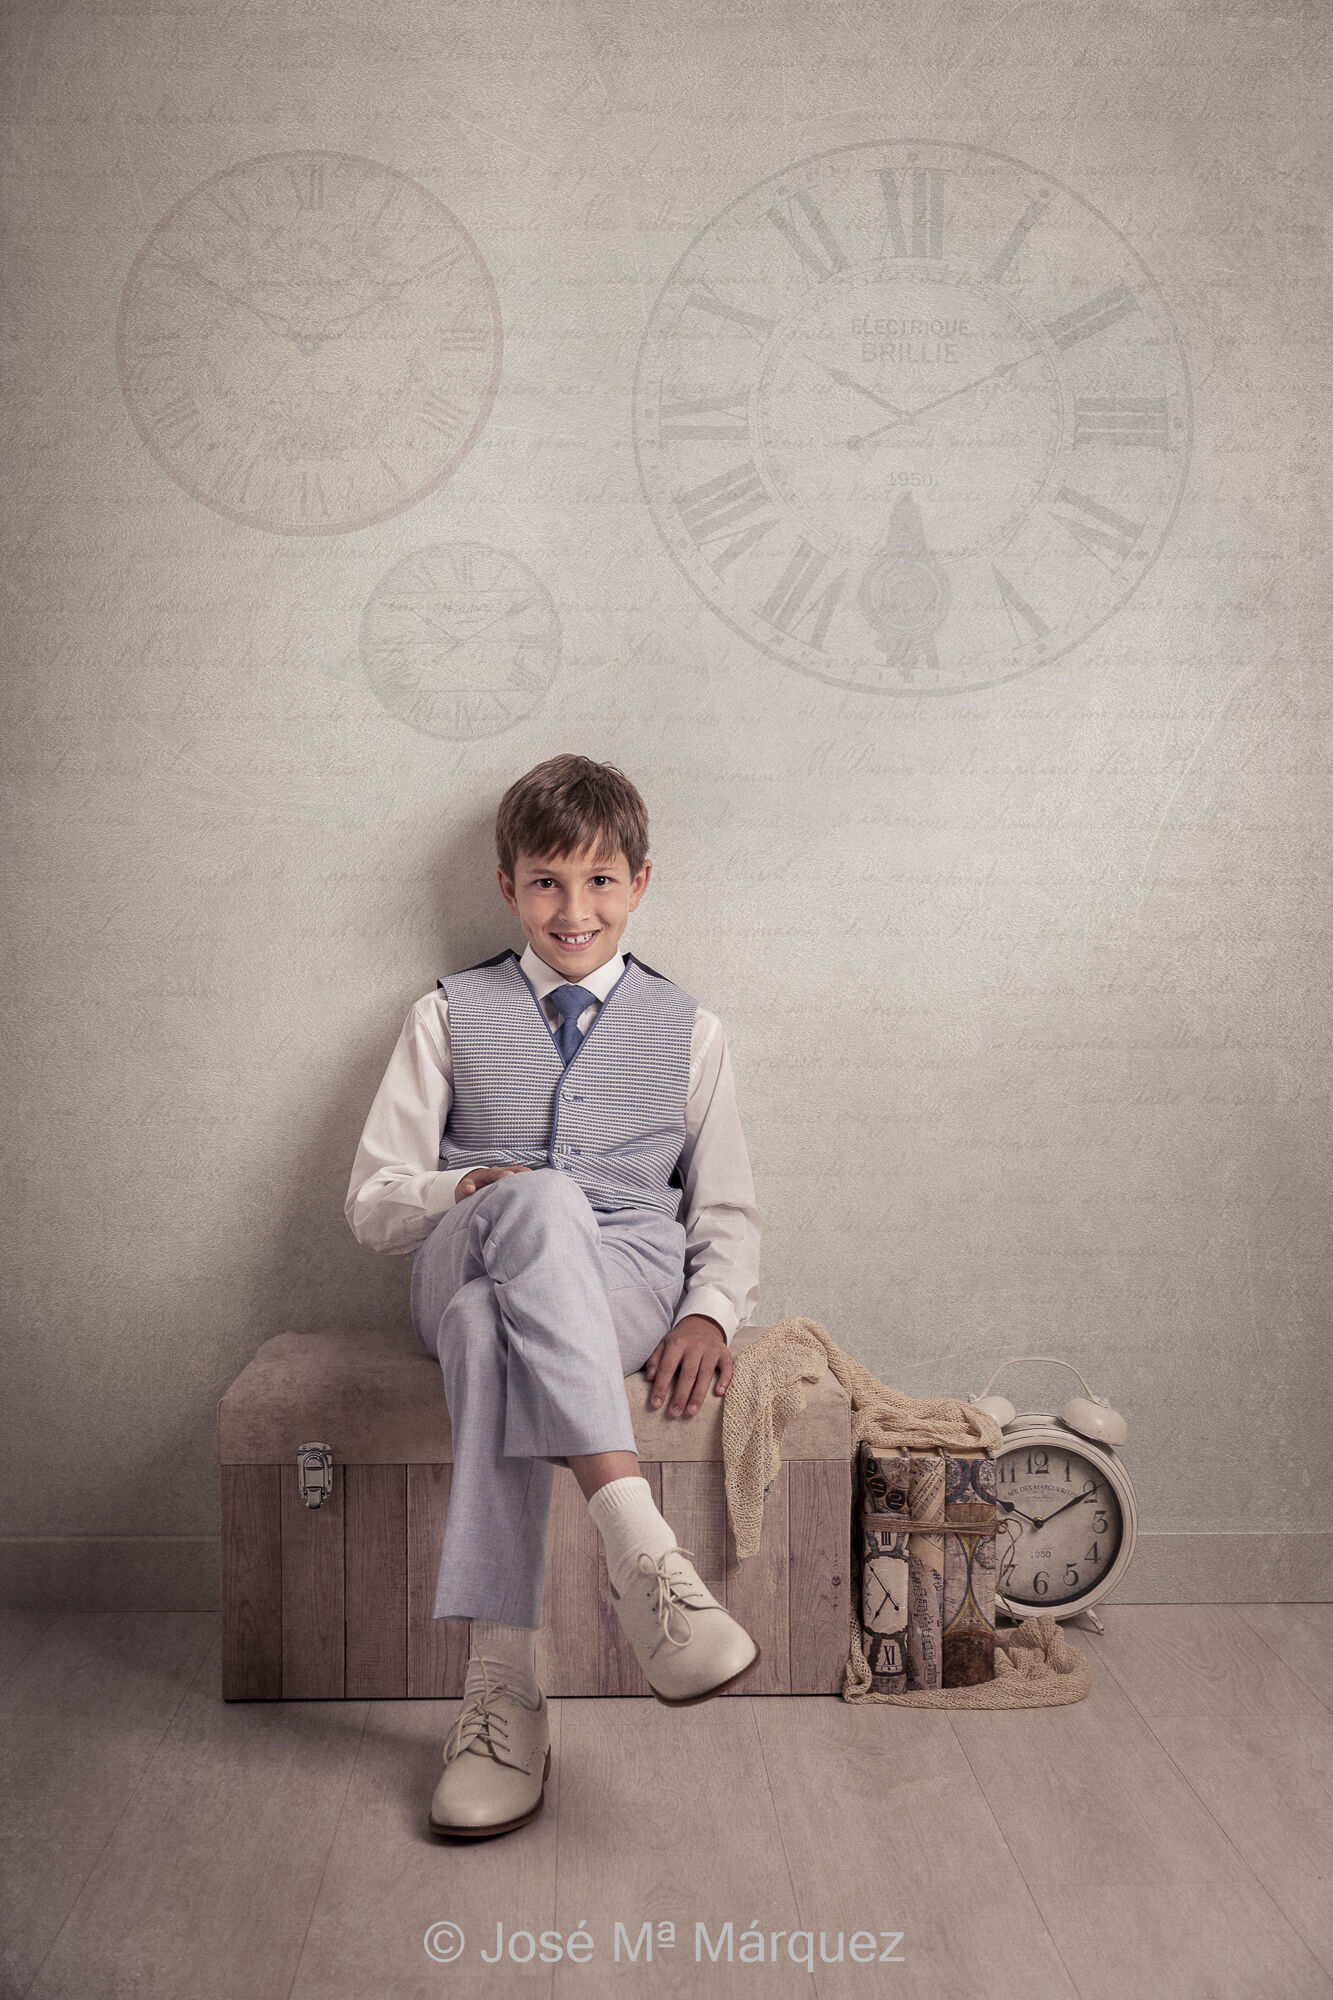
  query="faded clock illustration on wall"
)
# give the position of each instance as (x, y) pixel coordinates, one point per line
(912, 418)
(309, 342)
(460, 640)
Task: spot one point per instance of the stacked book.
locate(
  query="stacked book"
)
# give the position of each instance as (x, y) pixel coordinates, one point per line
(927, 1548)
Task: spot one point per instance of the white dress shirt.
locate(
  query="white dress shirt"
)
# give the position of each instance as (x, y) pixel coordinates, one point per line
(398, 1190)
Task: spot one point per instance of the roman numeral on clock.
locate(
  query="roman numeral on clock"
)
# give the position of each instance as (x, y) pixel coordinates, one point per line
(232, 478)
(810, 237)
(792, 601)
(706, 417)
(753, 323)
(1096, 526)
(1017, 236)
(442, 413)
(179, 420)
(439, 266)
(721, 505)
(390, 194)
(1138, 420)
(1092, 317)
(927, 224)
(312, 495)
(308, 184)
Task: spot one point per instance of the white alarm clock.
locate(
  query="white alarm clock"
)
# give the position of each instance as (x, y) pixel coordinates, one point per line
(1070, 1508)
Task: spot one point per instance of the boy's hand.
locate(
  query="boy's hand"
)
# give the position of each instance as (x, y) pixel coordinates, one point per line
(482, 1177)
(693, 1349)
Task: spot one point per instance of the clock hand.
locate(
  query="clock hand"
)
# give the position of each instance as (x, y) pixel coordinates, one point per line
(1010, 1508)
(1089, 1493)
(307, 339)
(846, 381)
(870, 437)
(393, 290)
(274, 321)
(463, 638)
(989, 376)
(335, 327)
(511, 611)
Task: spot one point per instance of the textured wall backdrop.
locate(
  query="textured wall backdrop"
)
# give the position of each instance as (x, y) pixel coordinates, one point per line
(895, 434)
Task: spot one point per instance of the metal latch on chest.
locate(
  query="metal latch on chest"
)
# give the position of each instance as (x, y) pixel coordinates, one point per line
(314, 1470)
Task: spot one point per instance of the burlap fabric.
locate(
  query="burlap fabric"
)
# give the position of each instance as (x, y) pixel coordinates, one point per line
(1035, 1665)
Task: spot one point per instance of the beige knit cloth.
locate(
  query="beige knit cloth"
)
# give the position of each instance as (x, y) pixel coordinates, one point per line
(1035, 1665)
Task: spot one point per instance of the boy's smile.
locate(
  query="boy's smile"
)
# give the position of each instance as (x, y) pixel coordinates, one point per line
(574, 909)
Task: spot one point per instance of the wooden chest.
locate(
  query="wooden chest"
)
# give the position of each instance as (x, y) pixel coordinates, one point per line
(335, 1601)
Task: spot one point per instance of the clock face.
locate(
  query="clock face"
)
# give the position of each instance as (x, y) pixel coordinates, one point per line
(309, 342)
(912, 419)
(460, 640)
(1067, 1523)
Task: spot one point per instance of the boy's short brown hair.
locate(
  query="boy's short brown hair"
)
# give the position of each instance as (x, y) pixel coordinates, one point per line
(567, 804)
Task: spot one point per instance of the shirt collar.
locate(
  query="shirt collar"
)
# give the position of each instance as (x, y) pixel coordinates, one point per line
(545, 979)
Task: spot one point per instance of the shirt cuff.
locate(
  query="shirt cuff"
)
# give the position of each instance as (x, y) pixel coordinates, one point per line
(451, 1176)
(715, 1304)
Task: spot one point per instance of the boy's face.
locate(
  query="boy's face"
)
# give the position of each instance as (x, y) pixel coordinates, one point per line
(559, 900)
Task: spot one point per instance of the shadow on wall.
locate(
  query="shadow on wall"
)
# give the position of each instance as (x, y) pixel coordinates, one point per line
(309, 1270)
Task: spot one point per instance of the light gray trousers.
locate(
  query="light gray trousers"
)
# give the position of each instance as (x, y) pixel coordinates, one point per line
(537, 1306)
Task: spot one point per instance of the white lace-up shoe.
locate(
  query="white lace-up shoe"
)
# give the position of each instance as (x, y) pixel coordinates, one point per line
(688, 1645)
(497, 1758)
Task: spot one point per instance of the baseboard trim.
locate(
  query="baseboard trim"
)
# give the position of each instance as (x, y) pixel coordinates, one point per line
(183, 1572)
(1252, 1568)
(111, 1573)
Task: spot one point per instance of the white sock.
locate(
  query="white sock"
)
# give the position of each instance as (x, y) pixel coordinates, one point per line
(510, 1653)
(627, 1519)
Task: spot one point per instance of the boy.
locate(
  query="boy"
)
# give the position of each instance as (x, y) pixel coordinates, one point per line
(537, 1124)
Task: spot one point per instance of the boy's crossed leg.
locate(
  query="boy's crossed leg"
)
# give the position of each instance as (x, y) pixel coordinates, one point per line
(537, 1308)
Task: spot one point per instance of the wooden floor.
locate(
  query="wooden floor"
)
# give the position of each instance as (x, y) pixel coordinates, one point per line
(1170, 1836)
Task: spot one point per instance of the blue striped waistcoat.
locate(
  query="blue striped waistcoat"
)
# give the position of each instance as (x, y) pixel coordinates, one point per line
(612, 1118)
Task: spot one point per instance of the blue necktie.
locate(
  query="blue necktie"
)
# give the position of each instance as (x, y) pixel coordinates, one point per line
(571, 1001)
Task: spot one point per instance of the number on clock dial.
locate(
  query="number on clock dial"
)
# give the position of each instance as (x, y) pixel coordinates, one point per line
(1066, 1524)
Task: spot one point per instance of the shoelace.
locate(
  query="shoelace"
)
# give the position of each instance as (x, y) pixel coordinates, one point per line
(670, 1601)
(478, 1717)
